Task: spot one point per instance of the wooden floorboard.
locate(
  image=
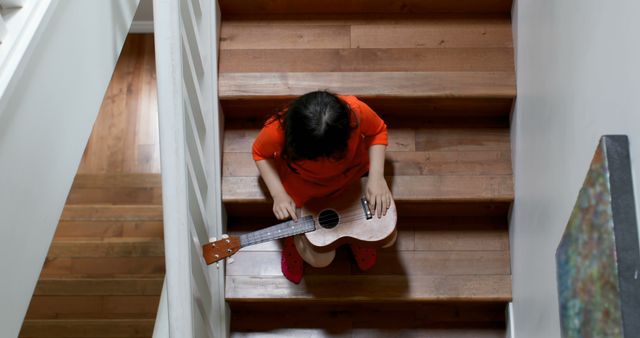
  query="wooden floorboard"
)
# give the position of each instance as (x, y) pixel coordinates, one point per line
(125, 136)
(397, 85)
(367, 60)
(102, 212)
(107, 247)
(93, 307)
(77, 328)
(424, 189)
(335, 288)
(150, 285)
(109, 229)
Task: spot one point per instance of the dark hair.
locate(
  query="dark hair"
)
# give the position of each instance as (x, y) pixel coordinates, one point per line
(316, 125)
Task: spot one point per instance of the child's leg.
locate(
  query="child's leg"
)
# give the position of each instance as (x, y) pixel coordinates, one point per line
(291, 262)
(311, 256)
(365, 256)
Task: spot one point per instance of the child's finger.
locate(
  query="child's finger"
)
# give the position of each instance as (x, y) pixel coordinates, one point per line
(379, 206)
(292, 211)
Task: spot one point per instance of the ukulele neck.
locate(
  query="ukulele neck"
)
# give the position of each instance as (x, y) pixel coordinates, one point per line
(282, 230)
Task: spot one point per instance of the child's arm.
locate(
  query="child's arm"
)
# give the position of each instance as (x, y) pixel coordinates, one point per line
(283, 205)
(377, 191)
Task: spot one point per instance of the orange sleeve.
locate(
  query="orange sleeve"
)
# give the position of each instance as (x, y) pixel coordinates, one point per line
(371, 125)
(268, 143)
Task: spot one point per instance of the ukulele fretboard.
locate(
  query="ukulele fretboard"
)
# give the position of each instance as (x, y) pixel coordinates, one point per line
(282, 230)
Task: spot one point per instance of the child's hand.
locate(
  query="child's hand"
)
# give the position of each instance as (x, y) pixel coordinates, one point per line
(284, 207)
(378, 195)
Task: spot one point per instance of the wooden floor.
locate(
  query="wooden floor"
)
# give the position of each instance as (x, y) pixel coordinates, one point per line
(105, 268)
(125, 136)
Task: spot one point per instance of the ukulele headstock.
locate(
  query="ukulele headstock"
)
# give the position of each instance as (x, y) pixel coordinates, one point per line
(218, 250)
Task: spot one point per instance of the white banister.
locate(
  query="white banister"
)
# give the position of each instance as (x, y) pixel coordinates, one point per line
(186, 35)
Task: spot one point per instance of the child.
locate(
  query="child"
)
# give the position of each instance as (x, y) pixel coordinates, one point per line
(319, 144)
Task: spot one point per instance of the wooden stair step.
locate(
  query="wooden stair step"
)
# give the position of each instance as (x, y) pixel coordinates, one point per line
(400, 31)
(146, 285)
(102, 266)
(415, 234)
(242, 8)
(424, 151)
(93, 307)
(392, 85)
(436, 259)
(107, 212)
(366, 60)
(369, 320)
(78, 328)
(423, 189)
(128, 189)
(338, 289)
(109, 229)
(436, 66)
(106, 247)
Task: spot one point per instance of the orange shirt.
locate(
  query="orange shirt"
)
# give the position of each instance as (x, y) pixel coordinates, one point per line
(322, 177)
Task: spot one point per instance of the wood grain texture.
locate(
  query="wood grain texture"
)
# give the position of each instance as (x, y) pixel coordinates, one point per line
(109, 229)
(273, 36)
(101, 212)
(367, 60)
(404, 163)
(93, 307)
(420, 234)
(78, 328)
(367, 288)
(125, 136)
(240, 8)
(99, 267)
(434, 33)
(107, 247)
(422, 189)
(68, 286)
(246, 86)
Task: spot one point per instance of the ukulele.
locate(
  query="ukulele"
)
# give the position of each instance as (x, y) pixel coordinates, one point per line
(323, 225)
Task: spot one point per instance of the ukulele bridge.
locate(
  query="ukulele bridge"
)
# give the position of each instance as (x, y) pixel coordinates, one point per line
(365, 208)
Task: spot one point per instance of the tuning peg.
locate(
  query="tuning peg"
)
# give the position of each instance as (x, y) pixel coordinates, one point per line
(217, 265)
(212, 239)
(230, 260)
(225, 236)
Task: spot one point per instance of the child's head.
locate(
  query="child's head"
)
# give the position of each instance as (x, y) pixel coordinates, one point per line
(316, 125)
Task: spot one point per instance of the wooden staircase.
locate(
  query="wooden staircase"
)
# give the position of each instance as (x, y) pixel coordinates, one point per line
(104, 271)
(441, 74)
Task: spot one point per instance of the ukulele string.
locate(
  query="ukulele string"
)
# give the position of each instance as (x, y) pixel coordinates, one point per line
(264, 235)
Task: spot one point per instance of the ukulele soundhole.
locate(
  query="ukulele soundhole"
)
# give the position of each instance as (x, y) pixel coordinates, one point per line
(328, 219)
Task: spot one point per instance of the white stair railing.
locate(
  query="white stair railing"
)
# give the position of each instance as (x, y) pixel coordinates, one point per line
(186, 35)
(7, 7)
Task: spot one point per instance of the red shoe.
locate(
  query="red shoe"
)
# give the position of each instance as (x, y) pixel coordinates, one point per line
(365, 256)
(291, 263)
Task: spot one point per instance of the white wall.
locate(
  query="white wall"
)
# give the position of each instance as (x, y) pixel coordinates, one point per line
(578, 74)
(143, 20)
(45, 123)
